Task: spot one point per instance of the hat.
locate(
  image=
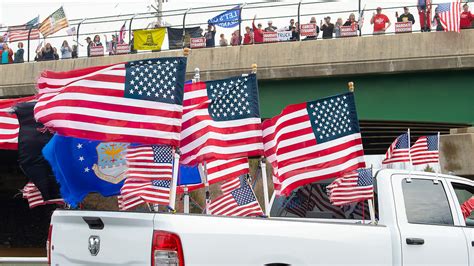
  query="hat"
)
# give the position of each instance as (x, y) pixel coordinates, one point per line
(270, 22)
(379, 8)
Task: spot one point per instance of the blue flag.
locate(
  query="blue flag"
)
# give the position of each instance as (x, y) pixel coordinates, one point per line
(188, 175)
(83, 166)
(228, 19)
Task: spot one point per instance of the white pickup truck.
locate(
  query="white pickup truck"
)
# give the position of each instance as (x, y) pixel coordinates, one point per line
(419, 222)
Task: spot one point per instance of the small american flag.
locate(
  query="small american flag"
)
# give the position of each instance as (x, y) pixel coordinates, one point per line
(20, 33)
(34, 197)
(150, 161)
(233, 184)
(54, 23)
(352, 187)
(136, 191)
(425, 150)
(9, 125)
(239, 202)
(313, 141)
(221, 120)
(450, 15)
(399, 151)
(137, 102)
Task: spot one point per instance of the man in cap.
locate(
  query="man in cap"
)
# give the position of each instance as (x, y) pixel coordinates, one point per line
(327, 27)
(406, 16)
(270, 27)
(380, 21)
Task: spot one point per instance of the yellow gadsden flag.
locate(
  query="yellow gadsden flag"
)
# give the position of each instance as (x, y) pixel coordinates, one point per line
(148, 39)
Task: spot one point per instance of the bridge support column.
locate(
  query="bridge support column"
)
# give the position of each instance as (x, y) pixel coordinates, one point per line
(457, 152)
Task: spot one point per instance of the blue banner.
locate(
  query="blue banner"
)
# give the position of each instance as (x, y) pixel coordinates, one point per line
(188, 175)
(228, 19)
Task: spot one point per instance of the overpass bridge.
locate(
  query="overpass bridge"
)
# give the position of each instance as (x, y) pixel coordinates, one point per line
(421, 80)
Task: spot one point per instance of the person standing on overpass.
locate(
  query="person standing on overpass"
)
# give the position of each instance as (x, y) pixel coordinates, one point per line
(466, 17)
(380, 21)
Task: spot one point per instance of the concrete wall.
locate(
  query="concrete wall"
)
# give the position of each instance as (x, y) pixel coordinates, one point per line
(321, 58)
(457, 152)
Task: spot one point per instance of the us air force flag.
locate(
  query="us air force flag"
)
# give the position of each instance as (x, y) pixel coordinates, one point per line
(83, 166)
(228, 19)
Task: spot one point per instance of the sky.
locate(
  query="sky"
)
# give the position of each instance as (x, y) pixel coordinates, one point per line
(15, 12)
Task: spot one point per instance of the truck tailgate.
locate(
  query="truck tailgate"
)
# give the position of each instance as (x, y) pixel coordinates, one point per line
(124, 239)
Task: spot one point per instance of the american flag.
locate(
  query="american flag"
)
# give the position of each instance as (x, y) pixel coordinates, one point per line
(54, 23)
(34, 197)
(399, 151)
(136, 191)
(239, 202)
(233, 184)
(425, 150)
(9, 125)
(450, 15)
(221, 120)
(20, 32)
(352, 187)
(138, 101)
(313, 141)
(150, 161)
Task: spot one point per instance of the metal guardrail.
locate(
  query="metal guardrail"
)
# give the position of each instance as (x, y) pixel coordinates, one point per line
(23, 260)
(297, 13)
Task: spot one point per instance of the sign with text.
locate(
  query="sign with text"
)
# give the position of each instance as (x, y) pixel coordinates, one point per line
(198, 42)
(308, 29)
(403, 27)
(270, 36)
(280, 36)
(122, 48)
(284, 36)
(348, 31)
(97, 51)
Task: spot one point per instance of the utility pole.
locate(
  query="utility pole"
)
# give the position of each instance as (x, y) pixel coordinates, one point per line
(159, 12)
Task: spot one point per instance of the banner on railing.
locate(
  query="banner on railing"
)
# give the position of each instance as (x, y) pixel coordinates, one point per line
(228, 19)
(308, 29)
(97, 51)
(122, 48)
(280, 36)
(198, 42)
(175, 37)
(148, 39)
(403, 27)
(348, 31)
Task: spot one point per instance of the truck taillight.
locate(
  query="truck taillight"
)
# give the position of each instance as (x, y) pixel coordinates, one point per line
(166, 249)
(48, 244)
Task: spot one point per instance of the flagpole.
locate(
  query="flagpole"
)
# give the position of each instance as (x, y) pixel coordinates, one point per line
(174, 180)
(439, 153)
(206, 186)
(370, 201)
(409, 149)
(186, 200)
(263, 166)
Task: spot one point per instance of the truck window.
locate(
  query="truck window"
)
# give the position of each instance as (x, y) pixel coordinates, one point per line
(426, 202)
(464, 193)
(311, 201)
